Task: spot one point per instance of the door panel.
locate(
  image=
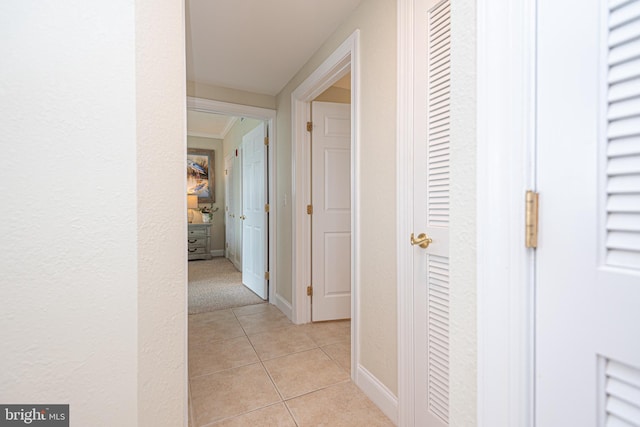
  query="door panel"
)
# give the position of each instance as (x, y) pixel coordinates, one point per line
(229, 221)
(431, 147)
(233, 209)
(254, 216)
(587, 268)
(331, 219)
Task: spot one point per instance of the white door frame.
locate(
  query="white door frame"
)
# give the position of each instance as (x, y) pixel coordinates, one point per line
(506, 90)
(268, 115)
(343, 59)
(505, 153)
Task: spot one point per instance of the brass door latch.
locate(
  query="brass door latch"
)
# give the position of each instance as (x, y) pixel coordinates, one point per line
(423, 240)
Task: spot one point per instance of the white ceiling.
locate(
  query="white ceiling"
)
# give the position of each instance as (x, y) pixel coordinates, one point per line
(257, 45)
(208, 125)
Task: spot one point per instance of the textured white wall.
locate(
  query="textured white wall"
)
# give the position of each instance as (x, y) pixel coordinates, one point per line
(93, 308)
(68, 214)
(462, 247)
(161, 212)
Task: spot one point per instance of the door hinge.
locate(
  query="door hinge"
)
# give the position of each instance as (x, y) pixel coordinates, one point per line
(531, 219)
(227, 245)
(266, 275)
(266, 207)
(226, 172)
(309, 209)
(309, 126)
(266, 140)
(310, 290)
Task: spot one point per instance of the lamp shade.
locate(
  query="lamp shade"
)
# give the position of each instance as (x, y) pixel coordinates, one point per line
(192, 201)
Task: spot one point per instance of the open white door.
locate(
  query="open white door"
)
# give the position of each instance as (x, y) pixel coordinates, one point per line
(331, 219)
(431, 148)
(588, 257)
(233, 208)
(228, 216)
(254, 214)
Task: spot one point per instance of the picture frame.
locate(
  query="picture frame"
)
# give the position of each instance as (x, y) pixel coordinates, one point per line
(201, 174)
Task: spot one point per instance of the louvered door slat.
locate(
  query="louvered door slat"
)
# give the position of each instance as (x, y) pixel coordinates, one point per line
(624, 146)
(622, 389)
(624, 15)
(624, 71)
(438, 161)
(623, 136)
(623, 110)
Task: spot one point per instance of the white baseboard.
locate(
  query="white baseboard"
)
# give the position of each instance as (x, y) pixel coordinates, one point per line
(217, 252)
(378, 393)
(284, 306)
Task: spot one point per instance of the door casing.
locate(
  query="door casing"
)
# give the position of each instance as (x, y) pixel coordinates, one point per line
(268, 115)
(344, 59)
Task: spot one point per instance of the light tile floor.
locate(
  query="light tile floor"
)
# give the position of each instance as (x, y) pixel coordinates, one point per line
(250, 366)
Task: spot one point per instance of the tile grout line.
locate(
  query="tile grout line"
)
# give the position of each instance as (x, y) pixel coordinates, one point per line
(260, 360)
(269, 374)
(240, 415)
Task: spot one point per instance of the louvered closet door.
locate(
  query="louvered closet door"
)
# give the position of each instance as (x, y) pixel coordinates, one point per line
(431, 201)
(588, 259)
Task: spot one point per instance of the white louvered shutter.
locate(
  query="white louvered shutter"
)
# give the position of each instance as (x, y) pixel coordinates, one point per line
(623, 136)
(587, 321)
(438, 158)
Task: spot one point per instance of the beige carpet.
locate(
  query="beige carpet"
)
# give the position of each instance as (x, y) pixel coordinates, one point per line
(215, 285)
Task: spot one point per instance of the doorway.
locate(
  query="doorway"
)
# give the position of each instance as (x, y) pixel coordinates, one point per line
(330, 172)
(265, 118)
(342, 61)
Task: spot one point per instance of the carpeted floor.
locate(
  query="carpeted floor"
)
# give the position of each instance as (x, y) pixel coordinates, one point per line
(215, 285)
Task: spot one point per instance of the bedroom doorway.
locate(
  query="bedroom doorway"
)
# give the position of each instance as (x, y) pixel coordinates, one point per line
(232, 162)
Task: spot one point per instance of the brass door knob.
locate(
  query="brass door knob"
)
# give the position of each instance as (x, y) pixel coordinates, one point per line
(423, 240)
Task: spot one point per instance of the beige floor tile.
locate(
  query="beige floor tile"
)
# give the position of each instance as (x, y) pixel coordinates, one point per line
(325, 333)
(230, 393)
(303, 372)
(209, 357)
(272, 344)
(214, 330)
(262, 322)
(341, 405)
(341, 353)
(271, 416)
(253, 309)
(211, 316)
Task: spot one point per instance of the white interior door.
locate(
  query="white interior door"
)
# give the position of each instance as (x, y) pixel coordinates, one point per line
(431, 148)
(233, 208)
(229, 222)
(331, 219)
(254, 215)
(588, 257)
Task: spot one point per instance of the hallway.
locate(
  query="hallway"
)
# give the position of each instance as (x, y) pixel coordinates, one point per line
(250, 366)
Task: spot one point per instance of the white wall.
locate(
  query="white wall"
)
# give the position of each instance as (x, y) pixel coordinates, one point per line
(93, 272)
(462, 248)
(376, 20)
(240, 128)
(335, 94)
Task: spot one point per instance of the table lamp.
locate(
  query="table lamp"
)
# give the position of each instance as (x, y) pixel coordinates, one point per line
(192, 203)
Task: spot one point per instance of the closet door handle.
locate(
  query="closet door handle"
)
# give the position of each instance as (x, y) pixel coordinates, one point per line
(423, 240)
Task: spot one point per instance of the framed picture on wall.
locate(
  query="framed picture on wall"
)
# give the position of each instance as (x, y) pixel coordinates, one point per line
(200, 174)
